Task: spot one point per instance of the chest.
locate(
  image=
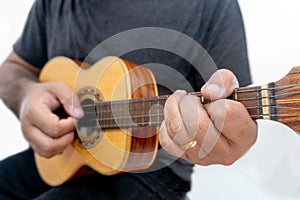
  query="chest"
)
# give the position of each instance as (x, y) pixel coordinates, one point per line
(81, 25)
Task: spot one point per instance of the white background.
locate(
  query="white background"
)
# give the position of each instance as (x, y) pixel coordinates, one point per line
(271, 169)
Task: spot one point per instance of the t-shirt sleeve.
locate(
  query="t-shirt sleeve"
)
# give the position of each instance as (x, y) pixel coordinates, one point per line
(226, 41)
(31, 45)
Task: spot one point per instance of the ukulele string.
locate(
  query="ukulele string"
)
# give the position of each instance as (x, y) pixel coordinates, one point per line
(164, 97)
(122, 111)
(119, 105)
(116, 111)
(123, 120)
(116, 117)
(117, 121)
(114, 124)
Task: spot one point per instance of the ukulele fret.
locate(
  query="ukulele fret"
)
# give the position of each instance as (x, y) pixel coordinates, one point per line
(259, 110)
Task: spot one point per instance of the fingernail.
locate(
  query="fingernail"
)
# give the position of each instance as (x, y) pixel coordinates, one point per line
(215, 91)
(78, 113)
(180, 92)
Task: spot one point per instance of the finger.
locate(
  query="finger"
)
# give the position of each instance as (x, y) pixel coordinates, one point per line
(209, 139)
(187, 121)
(167, 143)
(172, 114)
(51, 124)
(220, 85)
(46, 146)
(232, 119)
(211, 149)
(191, 112)
(190, 122)
(67, 98)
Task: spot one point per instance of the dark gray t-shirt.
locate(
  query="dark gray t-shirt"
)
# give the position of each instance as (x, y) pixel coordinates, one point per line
(73, 28)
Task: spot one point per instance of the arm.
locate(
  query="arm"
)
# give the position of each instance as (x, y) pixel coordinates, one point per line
(222, 129)
(34, 103)
(15, 77)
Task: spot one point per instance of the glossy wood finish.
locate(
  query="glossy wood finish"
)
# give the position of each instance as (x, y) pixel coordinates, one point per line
(287, 98)
(118, 150)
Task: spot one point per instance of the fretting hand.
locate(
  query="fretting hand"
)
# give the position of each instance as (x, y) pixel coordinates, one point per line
(219, 132)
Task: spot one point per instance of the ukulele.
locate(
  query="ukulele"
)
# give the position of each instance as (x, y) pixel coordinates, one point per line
(119, 131)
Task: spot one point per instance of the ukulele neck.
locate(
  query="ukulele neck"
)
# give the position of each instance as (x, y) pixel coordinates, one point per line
(260, 102)
(278, 101)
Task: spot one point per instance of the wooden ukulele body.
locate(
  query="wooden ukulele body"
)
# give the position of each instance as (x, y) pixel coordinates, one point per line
(107, 151)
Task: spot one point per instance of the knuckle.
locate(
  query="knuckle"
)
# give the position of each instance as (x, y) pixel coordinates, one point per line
(223, 109)
(67, 99)
(44, 154)
(201, 126)
(163, 143)
(162, 135)
(227, 161)
(173, 127)
(68, 94)
(231, 110)
(48, 149)
(54, 132)
(228, 157)
(58, 84)
(69, 137)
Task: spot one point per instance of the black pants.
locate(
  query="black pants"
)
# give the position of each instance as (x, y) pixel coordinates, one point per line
(19, 179)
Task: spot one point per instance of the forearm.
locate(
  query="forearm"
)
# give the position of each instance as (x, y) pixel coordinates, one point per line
(15, 80)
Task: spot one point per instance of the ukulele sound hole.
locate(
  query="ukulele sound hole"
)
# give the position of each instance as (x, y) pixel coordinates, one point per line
(87, 124)
(88, 131)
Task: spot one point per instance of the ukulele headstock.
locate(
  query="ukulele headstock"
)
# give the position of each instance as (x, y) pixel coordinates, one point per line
(287, 99)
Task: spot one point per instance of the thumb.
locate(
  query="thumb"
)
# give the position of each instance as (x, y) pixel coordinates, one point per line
(220, 85)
